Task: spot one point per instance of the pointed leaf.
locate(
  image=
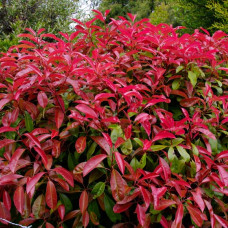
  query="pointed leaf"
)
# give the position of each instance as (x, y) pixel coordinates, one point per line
(120, 161)
(42, 155)
(42, 99)
(14, 159)
(32, 182)
(68, 176)
(162, 135)
(80, 144)
(83, 202)
(19, 199)
(51, 195)
(59, 117)
(117, 185)
(195, 215)
(87, 110)
(102, 143)
(93, 163)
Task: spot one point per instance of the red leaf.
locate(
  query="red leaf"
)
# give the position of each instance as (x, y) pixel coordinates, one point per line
(66, 174)
(162, 135)
(51, 195)
(117, 185)
(207, 133)
(119, 208)
(223, 174)
(87, 110)
(119, 142)
(9, 178)
(62, 183)
(195, 215)
(222, 221)
(59, 117)
(164, 204)
(179, 216)
(189, 102)
(197, 196)
(7, 200)
(42, 99)
(157, 194)
(102, 143)
(120, 161)
(14, 159)
(146, 196)
(83, 202)
(43, 155)
(223, 154)
(49, 225)
(92, 163)
(4, 213)
(32, 182)
(155, 101)
(6, 142)
(85, 219)
(141, 214)
(4, 102)
(127, 132)
(6, 129)
(33, 139)
(103, 96)
(80, 144)
(61, 211)
(19, 199)
(108, 139)
(165, 168)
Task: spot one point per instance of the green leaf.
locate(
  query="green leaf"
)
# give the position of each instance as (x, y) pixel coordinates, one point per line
(135, 164)
(195, 150)
(98, 189)
(71, 162)
(177, 141)
(143, 161)
(184, 154)
(91, 150)
(193, 169)
(176, 84)
(171, 154)
(116, 133)
(28, 122)
(66, 202)
(157, 147)
(177, 165)
(10, 80)
(193, 78)
(109, 204)
(139, 141)
(93, 206)
(126, 147)
(179, 68)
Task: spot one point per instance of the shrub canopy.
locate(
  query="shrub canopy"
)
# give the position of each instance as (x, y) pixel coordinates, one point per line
(122, 125)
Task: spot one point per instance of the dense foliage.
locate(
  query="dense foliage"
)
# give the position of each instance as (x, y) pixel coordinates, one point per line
(16, 15)
(122, 125)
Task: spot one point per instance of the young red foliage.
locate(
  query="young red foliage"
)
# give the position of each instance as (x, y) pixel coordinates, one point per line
(115, 120)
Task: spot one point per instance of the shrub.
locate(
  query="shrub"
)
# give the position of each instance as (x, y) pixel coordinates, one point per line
(122, 125)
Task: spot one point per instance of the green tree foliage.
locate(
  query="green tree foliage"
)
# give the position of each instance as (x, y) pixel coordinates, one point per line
(221, 13)
(16, 15)
(164, 12)
(142, 8)
(194, 14)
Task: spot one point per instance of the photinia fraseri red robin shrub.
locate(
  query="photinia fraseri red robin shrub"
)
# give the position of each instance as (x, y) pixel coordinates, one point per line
(123, 125)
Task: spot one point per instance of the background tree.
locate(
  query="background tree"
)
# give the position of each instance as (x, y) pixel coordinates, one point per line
(142, 8)
(221, 13)
(16, 15)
